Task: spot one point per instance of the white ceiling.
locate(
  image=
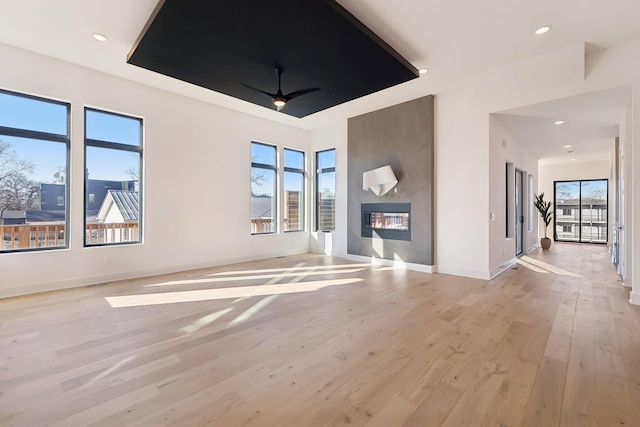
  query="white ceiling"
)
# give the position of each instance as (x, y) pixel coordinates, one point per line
(455, 39)
(590, 125)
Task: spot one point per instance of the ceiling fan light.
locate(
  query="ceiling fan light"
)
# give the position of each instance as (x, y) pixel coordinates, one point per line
(279, 102)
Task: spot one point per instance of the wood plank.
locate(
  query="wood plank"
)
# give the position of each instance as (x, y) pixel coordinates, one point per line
(545, 403)
(396, 347)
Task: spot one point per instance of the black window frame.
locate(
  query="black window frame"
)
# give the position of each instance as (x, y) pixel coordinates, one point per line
(303, 199)
(51, 137)
(319, 172)
(274, 168)
(90, 142)
(579, 225)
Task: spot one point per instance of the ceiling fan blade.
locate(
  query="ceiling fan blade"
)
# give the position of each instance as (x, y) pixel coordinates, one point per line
(271, 95)
(300, 92)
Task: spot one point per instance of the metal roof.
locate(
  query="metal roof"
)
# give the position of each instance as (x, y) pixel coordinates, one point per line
(261, 207)
(128, 203)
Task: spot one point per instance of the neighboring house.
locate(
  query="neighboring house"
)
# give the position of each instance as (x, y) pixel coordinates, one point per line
(11, 217)
(45, 216)
(52, 196)
(262, 214)
(586, 222)
(119, 206)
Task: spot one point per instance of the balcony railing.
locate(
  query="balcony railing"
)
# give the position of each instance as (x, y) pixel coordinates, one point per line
(99, 233)
(29, 236)
(32, 236)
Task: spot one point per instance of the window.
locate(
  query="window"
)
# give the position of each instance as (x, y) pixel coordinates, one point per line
(263, 188)
(326, 190)
(581, 210)
(113, 178)
(34, 154)
(293, 190)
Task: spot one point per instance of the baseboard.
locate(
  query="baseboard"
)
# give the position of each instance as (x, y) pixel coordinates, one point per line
(503, 267)
(634, 298)
(464, 272)
(389, 263)
(128, 275)
(532, 248)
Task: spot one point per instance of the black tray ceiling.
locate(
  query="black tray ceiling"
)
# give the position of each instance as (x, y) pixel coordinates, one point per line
(223, 44)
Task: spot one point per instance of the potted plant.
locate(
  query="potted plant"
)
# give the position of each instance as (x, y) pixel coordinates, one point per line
(546, 213)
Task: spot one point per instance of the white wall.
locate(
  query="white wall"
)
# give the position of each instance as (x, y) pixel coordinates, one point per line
(196, 180)
(505, 148)
(461, 185)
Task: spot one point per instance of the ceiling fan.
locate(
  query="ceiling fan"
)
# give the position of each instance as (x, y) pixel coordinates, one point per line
(280, 99)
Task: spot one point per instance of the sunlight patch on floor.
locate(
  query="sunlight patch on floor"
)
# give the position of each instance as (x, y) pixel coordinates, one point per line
(531, 266)
(253, 310)
(255, 277)
(109, 371)
(547, 268)
(204, 321)
(224, 293)
(271, 270)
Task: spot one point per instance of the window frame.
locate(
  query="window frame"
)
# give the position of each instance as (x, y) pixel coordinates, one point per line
(276, 185)
(50, 137)
(97, 143)
(320, 171)
(303, 198)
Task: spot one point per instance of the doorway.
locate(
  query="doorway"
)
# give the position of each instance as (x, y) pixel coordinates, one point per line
(581, 211)
(519, 211)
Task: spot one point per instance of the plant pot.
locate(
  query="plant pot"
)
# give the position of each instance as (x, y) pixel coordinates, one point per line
(545, 242)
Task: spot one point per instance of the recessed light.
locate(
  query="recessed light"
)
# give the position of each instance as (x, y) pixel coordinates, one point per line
(558, 122)
(543, 30)
(100, 37)
(568, 146)
(423, 70)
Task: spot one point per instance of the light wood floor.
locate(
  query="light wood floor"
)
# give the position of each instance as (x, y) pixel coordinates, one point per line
(317, 341)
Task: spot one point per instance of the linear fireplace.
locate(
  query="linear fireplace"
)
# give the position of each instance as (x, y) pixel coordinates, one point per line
(386, 220)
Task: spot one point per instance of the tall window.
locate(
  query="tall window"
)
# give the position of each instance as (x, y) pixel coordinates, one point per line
(326, 190)
(263, 188)
(113, 178)
(293, 190)
(34, 158)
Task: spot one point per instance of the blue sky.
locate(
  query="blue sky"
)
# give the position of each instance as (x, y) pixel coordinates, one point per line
(572, 189)
(50, 157)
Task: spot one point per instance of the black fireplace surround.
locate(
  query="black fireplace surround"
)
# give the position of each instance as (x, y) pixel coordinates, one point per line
(386, 220)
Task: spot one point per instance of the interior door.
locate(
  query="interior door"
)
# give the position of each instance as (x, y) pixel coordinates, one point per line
(519, 220)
